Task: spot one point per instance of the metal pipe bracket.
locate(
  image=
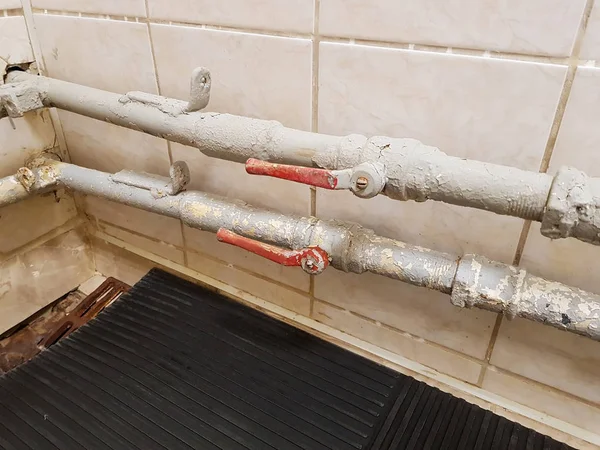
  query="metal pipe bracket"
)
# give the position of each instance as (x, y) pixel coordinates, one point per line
(179, 178)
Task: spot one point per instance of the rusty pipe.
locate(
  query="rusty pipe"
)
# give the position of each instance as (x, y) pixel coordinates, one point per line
(567, 204)
(471, 280)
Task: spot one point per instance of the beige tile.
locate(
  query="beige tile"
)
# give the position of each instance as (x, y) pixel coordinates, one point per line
(134, 8)
(10, 4)
(496, 111)
(30, 281)
(541, 398)
(539, 27)
(112, 261)
(154, 225)
(243, 82)
(229, 179)
(565, 260)
(439, 226)
(248, 283)
(252, 75)
(25, 221)
(579, 137)
(569, 260)
(590, 48)
(278, 15)
(168, 251)
(14, 40)
(563, 360)
(110, 148)
(91, 284)
(418, 311)
(32, 134)
(402, 344)
(205, 242)
(105, 54)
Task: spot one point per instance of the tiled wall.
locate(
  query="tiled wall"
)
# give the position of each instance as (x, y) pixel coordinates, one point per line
(509, 82)
(42, 257)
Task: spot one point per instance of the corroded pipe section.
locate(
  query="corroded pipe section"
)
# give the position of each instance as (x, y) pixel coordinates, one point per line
(513, 291)
(472, 281)
(407, 169)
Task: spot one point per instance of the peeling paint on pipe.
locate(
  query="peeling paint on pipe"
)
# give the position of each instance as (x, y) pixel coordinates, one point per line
(472, 281)
(568, 205)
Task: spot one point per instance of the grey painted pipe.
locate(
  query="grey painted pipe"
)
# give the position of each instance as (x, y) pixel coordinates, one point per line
(471, 281)
(411, 170)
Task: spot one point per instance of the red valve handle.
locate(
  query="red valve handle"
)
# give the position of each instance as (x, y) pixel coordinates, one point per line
(307, 175)
(313, 260)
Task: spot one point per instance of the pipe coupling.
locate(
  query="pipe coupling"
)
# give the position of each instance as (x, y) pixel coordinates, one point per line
(573, 207)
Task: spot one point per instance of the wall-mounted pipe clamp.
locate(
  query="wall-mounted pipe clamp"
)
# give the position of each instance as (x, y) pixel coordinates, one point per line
(179, 178)
(365, 180)
(313, 260)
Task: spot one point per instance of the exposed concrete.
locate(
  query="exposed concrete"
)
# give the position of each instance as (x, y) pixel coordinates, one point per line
(472, 281)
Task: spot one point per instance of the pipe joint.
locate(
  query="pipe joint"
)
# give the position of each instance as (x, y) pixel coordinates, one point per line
(573, 207)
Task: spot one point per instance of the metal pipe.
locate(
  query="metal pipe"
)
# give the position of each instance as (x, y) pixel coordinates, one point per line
(471, 281)
(402, 169)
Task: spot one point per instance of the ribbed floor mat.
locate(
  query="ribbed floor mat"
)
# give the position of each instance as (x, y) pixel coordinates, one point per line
(171, 365)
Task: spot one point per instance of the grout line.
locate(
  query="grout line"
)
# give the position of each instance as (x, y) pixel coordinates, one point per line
(33, 37)
(184, 243)
(573, 62)
(522, 241)
(490, 349)
(545, 386)
(558, 115)
(11, 12)
(557, 428)
(315, 68)
(460, 51)
(404, 333)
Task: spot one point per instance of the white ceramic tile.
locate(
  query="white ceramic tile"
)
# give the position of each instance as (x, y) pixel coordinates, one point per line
(496, 111)
(493, 110)
(110, 148)
(591, 42)
(542, 399)
(540, 27)
(25, 221)
(10, 4)
(245, 82)
(278, 15)
(569, 260)
(163, 249)
(14, 40)
(135, 8)
(553, 357)
(205, 242)
(266, 77)
(32, 134)
(112, 261)
(230, 179)
(162, 228)
(417, 350)
(91, 284)
(418, 311)
(30, 281)
(105, 54)
(248, 283)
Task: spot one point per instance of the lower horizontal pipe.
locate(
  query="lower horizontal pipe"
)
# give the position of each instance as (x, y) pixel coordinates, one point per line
(472, 281)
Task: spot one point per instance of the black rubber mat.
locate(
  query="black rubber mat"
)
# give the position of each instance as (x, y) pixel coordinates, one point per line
(172, 365)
